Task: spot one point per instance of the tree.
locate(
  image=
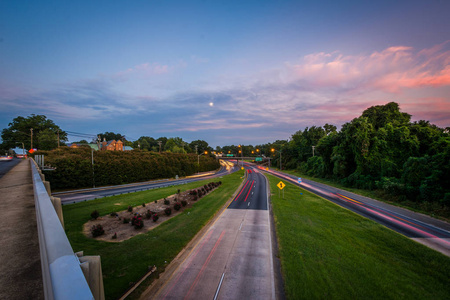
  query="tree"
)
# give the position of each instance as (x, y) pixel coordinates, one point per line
(44, 133)
(109, 136)
(202, 146)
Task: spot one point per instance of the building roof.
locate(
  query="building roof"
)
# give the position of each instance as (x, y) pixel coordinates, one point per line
(19, 151)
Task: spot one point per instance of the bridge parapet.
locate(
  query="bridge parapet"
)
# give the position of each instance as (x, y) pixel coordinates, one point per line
(61, 271)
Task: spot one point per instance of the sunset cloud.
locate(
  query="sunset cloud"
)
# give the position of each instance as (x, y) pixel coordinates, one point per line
(390, 70)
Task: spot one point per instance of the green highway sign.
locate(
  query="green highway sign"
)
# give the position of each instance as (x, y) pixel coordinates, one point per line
(258, 159)
(230, 155)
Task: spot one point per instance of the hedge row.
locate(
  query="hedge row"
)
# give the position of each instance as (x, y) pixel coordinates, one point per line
(74, 169)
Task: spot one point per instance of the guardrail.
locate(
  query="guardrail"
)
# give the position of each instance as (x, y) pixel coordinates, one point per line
(61, 271)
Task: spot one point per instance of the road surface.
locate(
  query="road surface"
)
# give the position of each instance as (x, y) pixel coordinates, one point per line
(94, 193)
(233, 259)
(6, 165)
(421, 228)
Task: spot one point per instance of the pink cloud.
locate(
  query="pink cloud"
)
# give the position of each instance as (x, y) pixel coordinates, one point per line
(390, 70)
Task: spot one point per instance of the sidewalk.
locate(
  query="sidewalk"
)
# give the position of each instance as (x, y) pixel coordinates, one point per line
(20, 263)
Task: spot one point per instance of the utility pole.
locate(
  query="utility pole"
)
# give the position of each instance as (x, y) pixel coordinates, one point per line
(313, 149)
(159, 143)
(31, 129)
(58, 138)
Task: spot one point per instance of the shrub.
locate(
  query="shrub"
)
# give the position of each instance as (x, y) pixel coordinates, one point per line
(168, 211)
(126, 220)
(148, 214)
(183, 202)
(166, 202)
(143, 204)
(176, 206)
(156, 201)
(137, 222)
(179, 191)
(113, 214)
(114, 236)
(194, 198)
(130, 208)
(95, 215)
(97, 230)
(155, 217)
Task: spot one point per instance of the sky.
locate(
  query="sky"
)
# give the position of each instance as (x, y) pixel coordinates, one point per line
(227, 72)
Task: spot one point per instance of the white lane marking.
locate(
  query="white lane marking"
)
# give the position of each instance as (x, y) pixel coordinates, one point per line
(218, 288)
(241, 225)
(248, 204)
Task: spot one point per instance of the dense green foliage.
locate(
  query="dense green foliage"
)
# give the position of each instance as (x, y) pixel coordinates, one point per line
(126, 262)
(74, 167)
(328, 252)
(382, 149)
(37, 128)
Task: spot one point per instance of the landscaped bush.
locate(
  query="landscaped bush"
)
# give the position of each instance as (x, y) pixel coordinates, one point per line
(148, 214)
(183, 202)
(97, 230)
(95, 214)
(137, 222)
(113, 214)
(176, 206)
(126, 220)
(155, 217)
(166, 201)
(130, 208)
(168, 211)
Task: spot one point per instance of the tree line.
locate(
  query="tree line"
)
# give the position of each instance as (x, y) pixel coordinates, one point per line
(381, 149)
(39, 132)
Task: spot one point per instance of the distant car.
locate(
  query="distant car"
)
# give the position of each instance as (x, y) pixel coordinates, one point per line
(2, 158)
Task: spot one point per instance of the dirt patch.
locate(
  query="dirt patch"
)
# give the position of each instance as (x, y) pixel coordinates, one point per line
(114, 225)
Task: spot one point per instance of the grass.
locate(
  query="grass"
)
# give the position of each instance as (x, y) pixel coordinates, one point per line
(434, 210)
(328, 252)
(125, 263)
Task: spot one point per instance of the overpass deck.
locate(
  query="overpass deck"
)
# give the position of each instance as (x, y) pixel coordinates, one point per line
(20, 263)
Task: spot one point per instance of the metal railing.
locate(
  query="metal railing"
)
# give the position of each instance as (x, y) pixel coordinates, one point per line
(61, 271)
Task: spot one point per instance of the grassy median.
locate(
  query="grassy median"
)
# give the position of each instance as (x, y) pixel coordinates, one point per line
(328, 252)
(126, 262)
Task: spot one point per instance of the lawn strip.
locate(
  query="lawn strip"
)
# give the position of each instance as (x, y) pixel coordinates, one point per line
(434, 210)
(329, 252)
(125, 263)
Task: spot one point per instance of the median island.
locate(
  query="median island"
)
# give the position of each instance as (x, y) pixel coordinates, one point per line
(119, 226)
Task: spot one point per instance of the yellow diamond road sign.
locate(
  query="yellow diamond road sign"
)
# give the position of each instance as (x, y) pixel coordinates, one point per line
(281, 185)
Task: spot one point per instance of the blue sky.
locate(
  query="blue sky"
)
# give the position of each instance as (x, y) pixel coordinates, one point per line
(228, 72)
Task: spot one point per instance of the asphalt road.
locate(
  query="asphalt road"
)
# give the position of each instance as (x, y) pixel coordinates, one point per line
(94, 193)
(233, 259)
(6, 165)
(421, 228)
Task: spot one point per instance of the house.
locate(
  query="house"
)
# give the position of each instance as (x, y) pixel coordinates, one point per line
(111, 145)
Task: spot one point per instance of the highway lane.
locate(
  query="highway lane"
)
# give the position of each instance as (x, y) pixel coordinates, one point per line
(233, 259)
(6, 165)
(421, 228)
(94, 193)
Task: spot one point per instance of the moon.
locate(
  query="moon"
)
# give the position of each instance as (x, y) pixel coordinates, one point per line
(211, 104)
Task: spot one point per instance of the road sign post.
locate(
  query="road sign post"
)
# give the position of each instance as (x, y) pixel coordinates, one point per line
(281, 186)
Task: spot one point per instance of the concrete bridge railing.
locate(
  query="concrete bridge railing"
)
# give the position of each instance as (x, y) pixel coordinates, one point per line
(62, 275)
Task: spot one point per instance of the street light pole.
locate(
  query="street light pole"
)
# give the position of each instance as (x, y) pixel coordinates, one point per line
(313, 147)
(93, 175)
(31, 129)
